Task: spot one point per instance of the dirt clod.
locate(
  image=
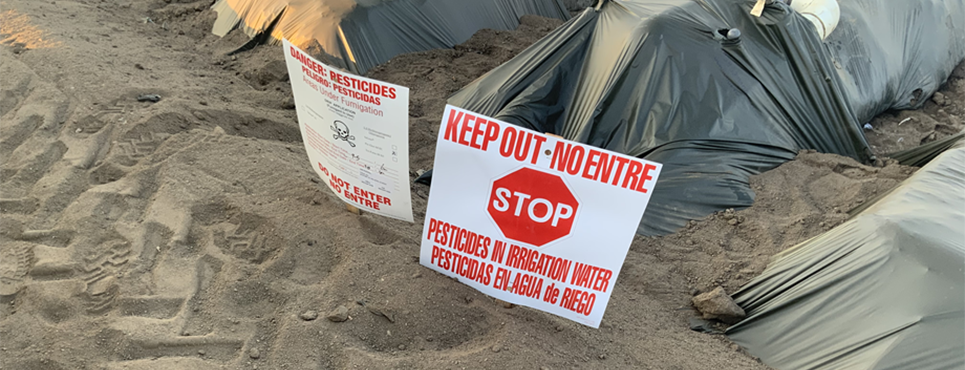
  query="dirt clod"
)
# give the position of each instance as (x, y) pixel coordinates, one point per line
(716, 304)
(339, 314)
(309, 315)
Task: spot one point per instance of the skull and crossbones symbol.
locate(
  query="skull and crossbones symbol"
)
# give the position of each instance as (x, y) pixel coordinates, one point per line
(342, 133)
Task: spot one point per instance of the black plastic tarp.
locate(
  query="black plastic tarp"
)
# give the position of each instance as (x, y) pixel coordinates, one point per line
(894, 54)
(358, 35)
(884, 290)
(920, 155)
(716, 94)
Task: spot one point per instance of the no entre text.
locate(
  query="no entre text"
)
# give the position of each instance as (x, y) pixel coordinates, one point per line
(578, 160)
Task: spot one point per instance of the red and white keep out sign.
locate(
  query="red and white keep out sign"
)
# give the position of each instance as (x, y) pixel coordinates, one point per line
(530, 218)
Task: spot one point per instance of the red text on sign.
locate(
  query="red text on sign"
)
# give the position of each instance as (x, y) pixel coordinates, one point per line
(578, 301)
(527, 285)
(551, 294)
(472, 131)
(600, 166)
(362, 85)
(315, 77)
(452, 236)
(501, 281)
(307, 62)
(477, 132)
(532, 206)
(372, 196)
(538, 210)
(516, 143)
(592, 277)
(465, 266)
(355, 194)
(526, 259)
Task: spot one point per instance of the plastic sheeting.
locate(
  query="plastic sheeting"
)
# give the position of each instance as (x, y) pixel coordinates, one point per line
(921, 155)
(716, 94)
(358, 35)
(884, 290)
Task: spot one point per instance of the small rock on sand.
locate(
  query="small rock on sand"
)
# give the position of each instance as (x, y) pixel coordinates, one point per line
(254, 353)
(309, 315)
(382, 311)
(716, 304)
(938, 98)
(153, 98)
(288, 103)
(339, 314)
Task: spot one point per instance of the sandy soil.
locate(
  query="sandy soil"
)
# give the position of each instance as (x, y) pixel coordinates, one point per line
(192, 234)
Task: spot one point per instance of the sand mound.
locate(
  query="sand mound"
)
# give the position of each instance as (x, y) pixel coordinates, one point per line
(192, 234)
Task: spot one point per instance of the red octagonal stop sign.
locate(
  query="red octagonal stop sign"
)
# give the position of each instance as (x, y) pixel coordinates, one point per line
(532, 206)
